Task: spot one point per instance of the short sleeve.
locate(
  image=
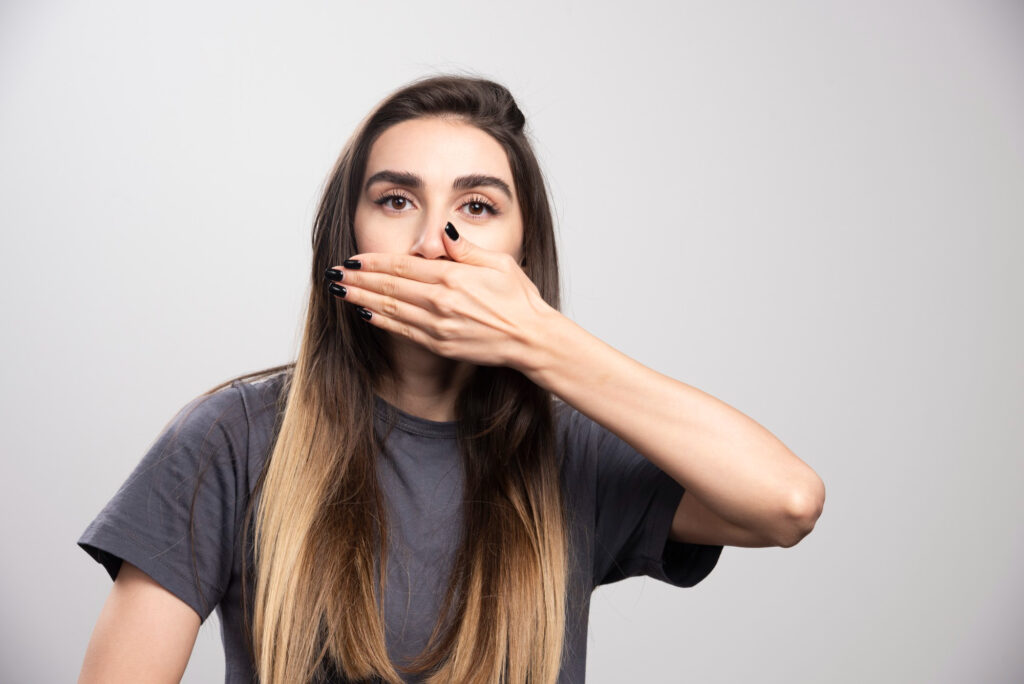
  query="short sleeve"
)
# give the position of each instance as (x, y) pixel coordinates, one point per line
(151, 521)
(635, 504)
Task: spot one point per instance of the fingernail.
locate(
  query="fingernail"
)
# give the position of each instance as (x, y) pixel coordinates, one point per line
(337, 289)
(351, 263)
(365, 313)
(450, 229)
(333, 274)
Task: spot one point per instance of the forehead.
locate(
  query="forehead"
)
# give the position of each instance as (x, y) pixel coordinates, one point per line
(438, 149)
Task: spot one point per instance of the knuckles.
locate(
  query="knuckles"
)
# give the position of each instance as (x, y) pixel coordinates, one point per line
(390, 306)
(445, 330)
(508, 262)
(444, 304)
(452, 279)
(445, 348)
(401, 267)
(389, 287)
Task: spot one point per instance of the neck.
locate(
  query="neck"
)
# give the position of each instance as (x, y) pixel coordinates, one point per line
(425, 384)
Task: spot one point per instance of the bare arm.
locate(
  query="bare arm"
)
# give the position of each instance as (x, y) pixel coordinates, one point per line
(144, 633)
(755, 491)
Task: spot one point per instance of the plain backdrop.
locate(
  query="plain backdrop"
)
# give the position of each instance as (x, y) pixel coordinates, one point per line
(812, 211)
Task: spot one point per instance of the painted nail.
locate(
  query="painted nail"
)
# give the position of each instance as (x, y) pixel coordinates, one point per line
(352, 263)
(450, 229)
(333, 274)
(365, 313)
(337, 289)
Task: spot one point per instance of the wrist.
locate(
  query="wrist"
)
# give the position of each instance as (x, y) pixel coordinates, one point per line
(543, 343)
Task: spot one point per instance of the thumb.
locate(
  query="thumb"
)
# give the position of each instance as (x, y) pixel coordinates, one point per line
(461, 249)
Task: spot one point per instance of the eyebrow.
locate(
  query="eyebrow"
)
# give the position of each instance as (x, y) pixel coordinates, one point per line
(411, 180)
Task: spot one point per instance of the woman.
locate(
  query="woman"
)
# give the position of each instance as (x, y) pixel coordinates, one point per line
(434, 488)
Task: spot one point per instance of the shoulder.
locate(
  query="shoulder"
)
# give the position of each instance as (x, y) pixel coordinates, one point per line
(261, 405)
(566, 416)
(263, 398)
(228, 416)
(221, 410)
(579, 434)
(235, 405)
(598, 456)
(209, 425)
(578, 439)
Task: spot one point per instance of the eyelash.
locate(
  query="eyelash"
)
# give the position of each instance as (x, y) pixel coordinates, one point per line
(391, 194)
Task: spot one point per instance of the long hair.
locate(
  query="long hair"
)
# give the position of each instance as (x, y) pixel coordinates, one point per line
(321, 527)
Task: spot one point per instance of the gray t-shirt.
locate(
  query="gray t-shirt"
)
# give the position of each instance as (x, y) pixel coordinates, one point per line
(621, 506)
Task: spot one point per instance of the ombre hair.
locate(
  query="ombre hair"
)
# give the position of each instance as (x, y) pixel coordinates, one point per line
(319, 522)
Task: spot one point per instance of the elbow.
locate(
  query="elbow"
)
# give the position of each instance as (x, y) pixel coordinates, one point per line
(802, 512)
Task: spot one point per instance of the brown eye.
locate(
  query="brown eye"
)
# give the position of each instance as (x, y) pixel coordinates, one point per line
(480, 208)
(393, 197)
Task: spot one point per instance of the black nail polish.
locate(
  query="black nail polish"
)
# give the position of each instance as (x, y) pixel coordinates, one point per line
(450, 229)
(337, 289)
(365, 313)
(352, 263)
(333, 274)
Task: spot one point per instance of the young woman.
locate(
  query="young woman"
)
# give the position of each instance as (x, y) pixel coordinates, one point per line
(436, 485)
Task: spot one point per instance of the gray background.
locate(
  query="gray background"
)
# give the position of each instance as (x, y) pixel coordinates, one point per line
(812, 211)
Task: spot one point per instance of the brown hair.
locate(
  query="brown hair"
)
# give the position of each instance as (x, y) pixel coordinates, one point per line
(321, 522)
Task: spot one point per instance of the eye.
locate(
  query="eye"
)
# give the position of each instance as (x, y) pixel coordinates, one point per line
(393, 195)
(480, 204)
(397, 201)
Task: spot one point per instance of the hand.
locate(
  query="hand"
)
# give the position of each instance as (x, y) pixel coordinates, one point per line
(480, 307)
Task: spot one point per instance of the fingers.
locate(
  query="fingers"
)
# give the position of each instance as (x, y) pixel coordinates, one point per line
(398, 326)
(398, 309)
(401, 265)
(385, 286)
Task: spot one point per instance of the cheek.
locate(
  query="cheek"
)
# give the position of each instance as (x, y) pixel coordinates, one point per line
(515, 243)
(365, 230)
(375, 235)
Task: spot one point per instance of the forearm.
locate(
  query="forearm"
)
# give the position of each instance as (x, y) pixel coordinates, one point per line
(724, 458)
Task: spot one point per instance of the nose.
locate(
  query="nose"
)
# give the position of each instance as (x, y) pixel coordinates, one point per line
(429, 243)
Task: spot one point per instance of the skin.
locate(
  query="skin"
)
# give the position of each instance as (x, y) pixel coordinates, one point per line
(438, 150)
(453, 302)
